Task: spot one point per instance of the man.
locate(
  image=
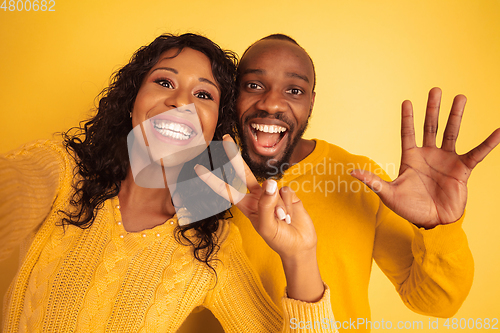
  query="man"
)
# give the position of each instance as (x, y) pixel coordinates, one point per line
(428, 260)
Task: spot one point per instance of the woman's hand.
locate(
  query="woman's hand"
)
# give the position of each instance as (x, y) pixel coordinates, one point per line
(295, 242)
(278, 216)
(281, 220)
(284, 223)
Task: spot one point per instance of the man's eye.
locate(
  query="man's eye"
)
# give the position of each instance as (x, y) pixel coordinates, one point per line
(164, 83)
(295, 91)
(204, 95)
(253, 86)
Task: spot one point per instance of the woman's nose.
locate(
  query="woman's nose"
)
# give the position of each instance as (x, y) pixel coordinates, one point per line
(178, 99)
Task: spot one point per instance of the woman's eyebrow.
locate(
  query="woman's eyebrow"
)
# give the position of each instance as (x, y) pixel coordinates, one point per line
(170, 69)
(175, 71)
(202, 79)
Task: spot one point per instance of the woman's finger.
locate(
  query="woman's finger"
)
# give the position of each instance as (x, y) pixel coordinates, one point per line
(239, 165)
(287, 195)
(218, 185)
(282, 215)
(267, 226)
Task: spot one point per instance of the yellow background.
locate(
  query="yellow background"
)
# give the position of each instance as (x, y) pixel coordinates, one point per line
(369, 57)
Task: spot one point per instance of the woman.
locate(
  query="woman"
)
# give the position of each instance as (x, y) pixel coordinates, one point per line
(104, 254)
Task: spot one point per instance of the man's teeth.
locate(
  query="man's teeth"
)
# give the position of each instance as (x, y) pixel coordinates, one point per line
(268, 128)
(173, 130)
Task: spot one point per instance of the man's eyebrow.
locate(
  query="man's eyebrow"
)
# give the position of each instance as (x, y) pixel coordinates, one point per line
(170, 69)
(253, 71)
(302, 77)
(262, 72)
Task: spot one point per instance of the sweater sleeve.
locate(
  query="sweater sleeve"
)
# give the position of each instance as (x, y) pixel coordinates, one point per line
(432, 270)
(29, 182)
(241, 304)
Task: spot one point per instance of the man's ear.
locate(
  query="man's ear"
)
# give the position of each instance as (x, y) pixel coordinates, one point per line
(312, 102)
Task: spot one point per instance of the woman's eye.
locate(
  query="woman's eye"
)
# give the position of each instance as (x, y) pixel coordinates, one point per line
(164, 83)
(204, 95)
(253, 86)
(295, 91)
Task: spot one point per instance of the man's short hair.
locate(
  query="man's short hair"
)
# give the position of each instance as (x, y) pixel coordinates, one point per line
(288, 39)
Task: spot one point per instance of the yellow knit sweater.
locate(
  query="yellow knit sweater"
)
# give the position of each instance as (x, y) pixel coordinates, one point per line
(104, 279)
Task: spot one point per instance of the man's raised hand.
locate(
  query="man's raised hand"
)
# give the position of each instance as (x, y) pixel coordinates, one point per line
(431, 187)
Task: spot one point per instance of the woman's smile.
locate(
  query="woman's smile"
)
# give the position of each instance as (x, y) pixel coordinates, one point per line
(173, 129)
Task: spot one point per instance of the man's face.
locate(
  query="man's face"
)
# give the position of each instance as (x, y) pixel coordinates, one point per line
(274, 104)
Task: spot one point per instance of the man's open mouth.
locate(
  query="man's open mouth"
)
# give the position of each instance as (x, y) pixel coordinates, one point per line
(173, 130)
(267, 135)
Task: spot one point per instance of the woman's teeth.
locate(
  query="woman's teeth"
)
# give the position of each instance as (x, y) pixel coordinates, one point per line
(173, 130)
(268, 128)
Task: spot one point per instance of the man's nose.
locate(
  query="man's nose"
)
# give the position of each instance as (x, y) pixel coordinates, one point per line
(272, 102)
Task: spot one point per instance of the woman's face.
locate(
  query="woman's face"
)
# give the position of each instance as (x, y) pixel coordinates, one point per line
(177, 106)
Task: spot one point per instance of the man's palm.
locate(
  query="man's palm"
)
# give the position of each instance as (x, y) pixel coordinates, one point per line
(431, 187)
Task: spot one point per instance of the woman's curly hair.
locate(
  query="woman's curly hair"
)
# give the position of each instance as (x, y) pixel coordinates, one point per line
(99, 145)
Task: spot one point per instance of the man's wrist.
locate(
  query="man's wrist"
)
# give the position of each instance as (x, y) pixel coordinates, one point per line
(442, 239)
